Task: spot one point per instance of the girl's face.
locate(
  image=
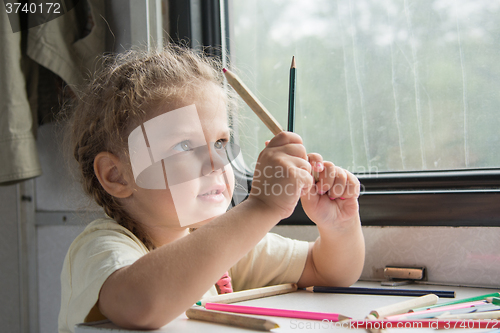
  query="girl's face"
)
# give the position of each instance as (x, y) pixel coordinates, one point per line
(182, 176)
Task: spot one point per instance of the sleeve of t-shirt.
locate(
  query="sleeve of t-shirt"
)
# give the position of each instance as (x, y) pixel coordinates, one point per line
(91, 259)
(274, 260)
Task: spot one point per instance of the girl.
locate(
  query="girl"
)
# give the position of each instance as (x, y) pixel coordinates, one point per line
(150, 135)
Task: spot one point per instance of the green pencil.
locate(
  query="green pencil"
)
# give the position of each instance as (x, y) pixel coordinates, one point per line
(470, 299)
(493, 300)
(291, 96)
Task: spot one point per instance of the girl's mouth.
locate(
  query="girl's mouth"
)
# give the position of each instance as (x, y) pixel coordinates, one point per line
(216, 194)
(212, 192)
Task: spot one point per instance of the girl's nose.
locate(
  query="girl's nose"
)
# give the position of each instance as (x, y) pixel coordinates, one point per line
(216, 160)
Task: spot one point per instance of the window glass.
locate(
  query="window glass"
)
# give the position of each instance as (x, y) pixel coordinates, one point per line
(393, 85)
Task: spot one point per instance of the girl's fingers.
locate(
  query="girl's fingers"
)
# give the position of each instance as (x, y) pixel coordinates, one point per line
(316, 161)
(295, 150)
(301, 164)
(296, 170)
(284, 138)
(285, 162)
(339, 184)
(307, 181)
(353, 186)
(332, 180)
(326, 177)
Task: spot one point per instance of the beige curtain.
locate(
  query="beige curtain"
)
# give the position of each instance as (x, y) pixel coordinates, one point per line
(66, 47)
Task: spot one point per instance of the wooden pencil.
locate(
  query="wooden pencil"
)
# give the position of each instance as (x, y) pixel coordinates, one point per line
(256, 106)
(249, 294)
(405, 306)
(231, 319)
(252, 101)
(291, 96)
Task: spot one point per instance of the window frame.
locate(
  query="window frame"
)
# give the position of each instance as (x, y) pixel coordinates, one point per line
(197, 24)
(458, 198)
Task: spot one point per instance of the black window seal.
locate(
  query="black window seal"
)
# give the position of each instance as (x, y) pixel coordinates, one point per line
(458, 198)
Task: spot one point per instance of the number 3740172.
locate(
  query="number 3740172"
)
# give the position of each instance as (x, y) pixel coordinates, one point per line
(33, 8)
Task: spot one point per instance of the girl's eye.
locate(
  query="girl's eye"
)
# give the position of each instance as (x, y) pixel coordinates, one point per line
(219, 144)
(183, 146)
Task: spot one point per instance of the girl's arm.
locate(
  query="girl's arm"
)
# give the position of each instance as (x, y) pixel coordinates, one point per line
(164, 283)
(336, 258)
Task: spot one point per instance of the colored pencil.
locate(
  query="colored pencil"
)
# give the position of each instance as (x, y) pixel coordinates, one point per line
(483, 311)
(253, 102)
(424, 323)
(256, 106)
(404, 306)
(231, 319)
(486, 307)
(381, 291)
(474, 315)
(437, 310)
(249, 294)
(493, 300)
(275, 312)
(464, 300)
(291, 96)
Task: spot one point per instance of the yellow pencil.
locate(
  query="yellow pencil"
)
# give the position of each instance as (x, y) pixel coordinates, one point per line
(231, 319)
(252, 101)
(249, 294)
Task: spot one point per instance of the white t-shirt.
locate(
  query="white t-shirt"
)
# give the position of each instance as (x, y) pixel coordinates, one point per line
(105, 246)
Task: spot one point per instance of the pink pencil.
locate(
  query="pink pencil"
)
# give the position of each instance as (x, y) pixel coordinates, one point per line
(275, 312)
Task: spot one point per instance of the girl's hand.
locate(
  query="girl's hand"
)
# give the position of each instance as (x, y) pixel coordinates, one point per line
(282, 174)
(333, 200)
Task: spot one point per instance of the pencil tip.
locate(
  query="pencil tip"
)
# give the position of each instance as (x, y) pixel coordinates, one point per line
(224, 70)
(198, 303)
(310, 288)
(270, 325)
(293, 62)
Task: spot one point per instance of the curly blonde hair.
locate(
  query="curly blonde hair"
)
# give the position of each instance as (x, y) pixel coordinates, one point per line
(119, 97)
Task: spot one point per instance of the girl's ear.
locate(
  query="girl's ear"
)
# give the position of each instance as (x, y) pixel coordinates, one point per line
(112, 175)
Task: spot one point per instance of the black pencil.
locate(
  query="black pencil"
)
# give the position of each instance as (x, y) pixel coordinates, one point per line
(382, 291)
(291, 97)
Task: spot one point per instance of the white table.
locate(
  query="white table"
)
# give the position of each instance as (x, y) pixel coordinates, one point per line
(355, 306)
